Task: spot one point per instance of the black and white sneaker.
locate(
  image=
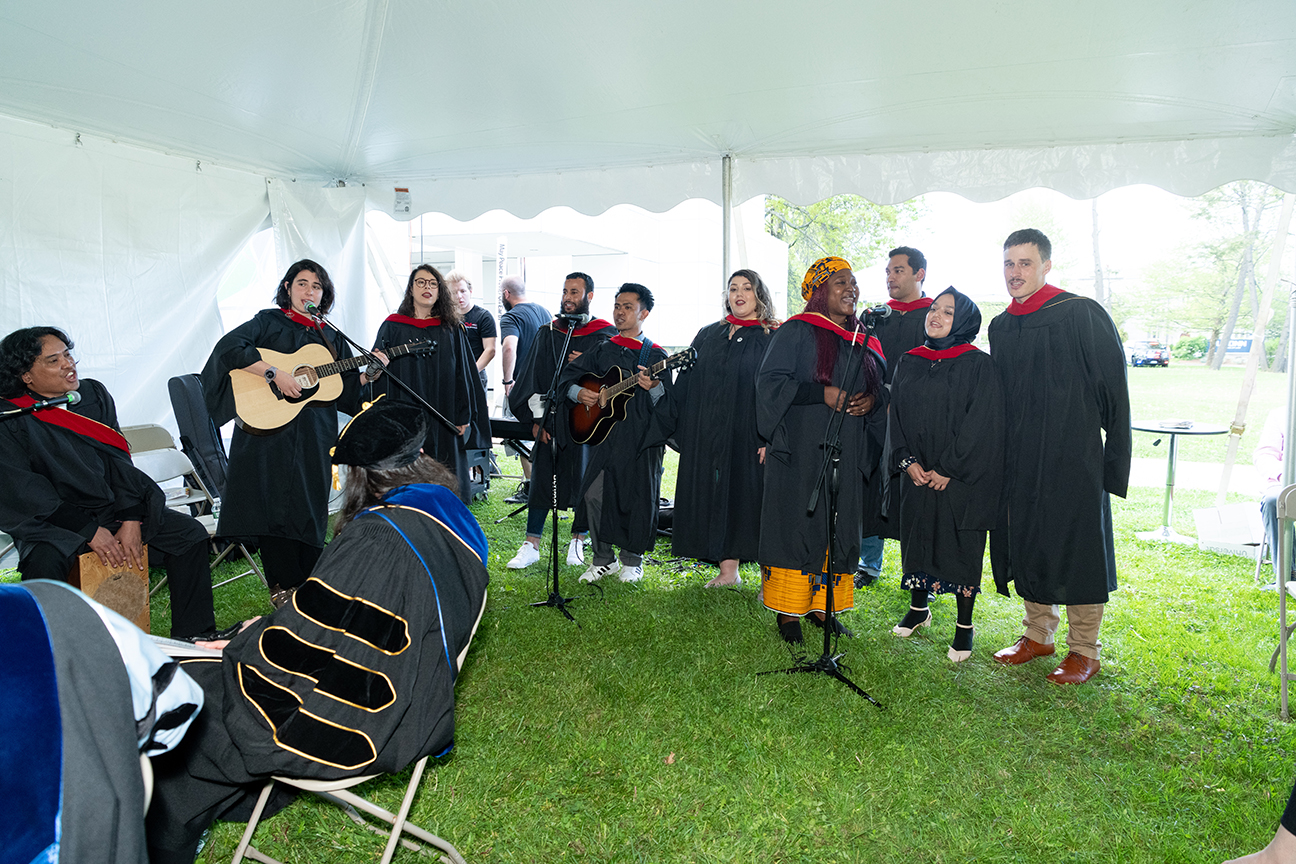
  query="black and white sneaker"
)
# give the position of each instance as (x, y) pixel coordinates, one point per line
(522, 495)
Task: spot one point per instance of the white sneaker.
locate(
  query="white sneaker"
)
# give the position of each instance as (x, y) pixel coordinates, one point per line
(631, 574)
(575, 552)
(526, 556)
(597, 572)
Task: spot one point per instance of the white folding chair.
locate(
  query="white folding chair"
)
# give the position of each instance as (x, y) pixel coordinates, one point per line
(335, 791)
(166, 464)
(147, 436)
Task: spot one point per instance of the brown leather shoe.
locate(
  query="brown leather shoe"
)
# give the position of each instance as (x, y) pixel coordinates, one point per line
(1074, 669)
(1023, 651)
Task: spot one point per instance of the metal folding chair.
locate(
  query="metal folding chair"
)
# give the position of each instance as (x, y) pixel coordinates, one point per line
(1286, 515)
(335, 791)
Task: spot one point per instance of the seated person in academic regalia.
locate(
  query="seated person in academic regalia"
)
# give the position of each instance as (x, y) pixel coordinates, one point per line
(624, 474)
(355, 675)
(69, 485)
(83, 695)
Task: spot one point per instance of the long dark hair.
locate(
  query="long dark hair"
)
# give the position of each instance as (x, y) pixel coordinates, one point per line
(18, 351)
(283, 296)
(365, 486)
(826, 343)
(444, 307)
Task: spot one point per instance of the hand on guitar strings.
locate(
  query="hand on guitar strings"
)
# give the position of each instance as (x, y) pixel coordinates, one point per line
(588, 397)
(287, 384)
(645, 380)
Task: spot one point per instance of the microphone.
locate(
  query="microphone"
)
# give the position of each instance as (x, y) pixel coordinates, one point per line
(573, 319)
(66, 399)
(312, 310)
(877, 312)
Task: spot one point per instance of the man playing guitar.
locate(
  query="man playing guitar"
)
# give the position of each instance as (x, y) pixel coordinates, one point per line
(622, 481)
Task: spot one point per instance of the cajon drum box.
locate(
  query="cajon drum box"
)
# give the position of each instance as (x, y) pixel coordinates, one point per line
(125, 591)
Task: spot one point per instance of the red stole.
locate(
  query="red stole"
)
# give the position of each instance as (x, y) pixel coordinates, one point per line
(743, 322)
(76, 423)
(626, 342)
(1034, 302)
(944, 354)
(415, 322)
(304, 320)
(823, 322)
(920, 303)
(593, 326)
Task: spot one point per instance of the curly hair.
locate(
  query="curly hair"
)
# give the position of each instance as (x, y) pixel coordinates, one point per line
(364, 486)
(444, 307)
(18, 351)
(283, 296)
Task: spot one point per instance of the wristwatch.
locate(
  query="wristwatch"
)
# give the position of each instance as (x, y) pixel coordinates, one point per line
(271, 373)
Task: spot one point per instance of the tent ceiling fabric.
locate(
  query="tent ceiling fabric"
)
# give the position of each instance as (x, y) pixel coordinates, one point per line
(526, 105)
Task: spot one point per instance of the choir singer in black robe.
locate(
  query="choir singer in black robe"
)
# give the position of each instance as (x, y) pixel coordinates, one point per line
(445, 374)
(1062, 367)
(277, 486)
(711, 413)
(946, 440)
(624, 474)
(356, 675)
(898, 332)
(69, 485)
(526, 400)
(801, 384)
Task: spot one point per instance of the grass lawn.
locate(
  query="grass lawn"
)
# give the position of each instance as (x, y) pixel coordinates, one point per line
(644, 735)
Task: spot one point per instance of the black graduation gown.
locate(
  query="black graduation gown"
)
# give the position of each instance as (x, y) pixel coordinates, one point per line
(542, 360)
(447, 378)
(900, 332)
(712, 415)
(789, 538)
(60, 486)
(630, 463)
(374, 628)
(1062, 368)
(277, 484)
(949, 414)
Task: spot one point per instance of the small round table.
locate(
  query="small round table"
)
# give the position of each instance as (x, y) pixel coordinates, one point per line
(1165, 532)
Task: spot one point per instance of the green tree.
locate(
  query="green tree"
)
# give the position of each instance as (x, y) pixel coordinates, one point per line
(848, 226)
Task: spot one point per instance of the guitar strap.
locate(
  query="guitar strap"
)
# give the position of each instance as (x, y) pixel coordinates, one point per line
(328, 343)
(643, 352)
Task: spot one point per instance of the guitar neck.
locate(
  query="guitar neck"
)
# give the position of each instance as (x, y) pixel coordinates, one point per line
(653, 371)
(339, 366)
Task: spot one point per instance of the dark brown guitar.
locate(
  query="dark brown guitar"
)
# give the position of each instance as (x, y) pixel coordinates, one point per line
(590, 424)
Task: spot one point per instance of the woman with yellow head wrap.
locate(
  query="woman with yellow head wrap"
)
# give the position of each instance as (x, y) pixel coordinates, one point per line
(802, 382)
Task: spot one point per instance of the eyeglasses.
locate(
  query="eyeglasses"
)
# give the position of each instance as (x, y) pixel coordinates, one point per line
(425, 283)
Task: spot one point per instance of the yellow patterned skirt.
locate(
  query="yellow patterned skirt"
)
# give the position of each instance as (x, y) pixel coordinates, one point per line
(797, 592)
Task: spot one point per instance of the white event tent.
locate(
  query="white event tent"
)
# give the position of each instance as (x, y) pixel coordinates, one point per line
(142, 144)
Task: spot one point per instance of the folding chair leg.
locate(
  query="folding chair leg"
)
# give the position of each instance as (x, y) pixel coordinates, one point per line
(243, 847)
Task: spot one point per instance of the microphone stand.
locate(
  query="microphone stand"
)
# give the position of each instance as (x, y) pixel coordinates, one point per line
(45, 405)
(555, 600)
(369, 355)
(830, 471)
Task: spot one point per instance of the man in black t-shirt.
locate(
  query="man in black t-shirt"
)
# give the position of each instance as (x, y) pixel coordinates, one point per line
(518, 328)
(477, 321)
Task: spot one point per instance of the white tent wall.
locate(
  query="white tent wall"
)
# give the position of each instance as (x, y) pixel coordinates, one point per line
(326, 225)
(124, 249)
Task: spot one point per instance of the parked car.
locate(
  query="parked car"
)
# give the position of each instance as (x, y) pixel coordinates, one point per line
(1148, 354)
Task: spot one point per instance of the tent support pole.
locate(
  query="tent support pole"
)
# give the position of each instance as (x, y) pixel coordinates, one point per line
(726, 213)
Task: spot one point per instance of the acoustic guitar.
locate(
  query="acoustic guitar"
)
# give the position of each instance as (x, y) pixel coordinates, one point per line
(262, 407)
(590, 424)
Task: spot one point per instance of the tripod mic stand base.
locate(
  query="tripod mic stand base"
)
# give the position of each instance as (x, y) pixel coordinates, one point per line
(559, 602)
(827, 664)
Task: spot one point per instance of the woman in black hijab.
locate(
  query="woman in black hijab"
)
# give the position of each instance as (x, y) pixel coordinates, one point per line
(946, 439)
